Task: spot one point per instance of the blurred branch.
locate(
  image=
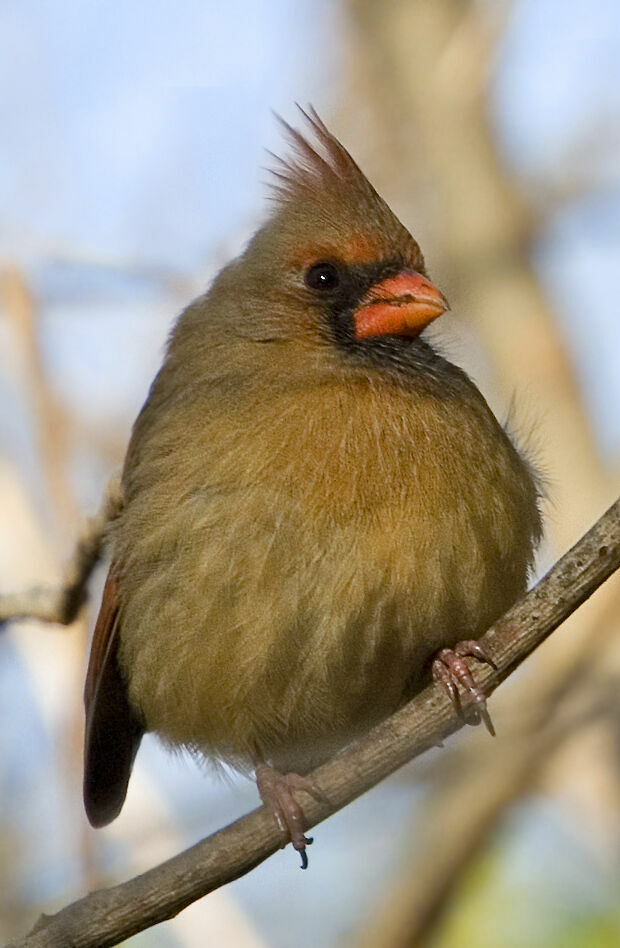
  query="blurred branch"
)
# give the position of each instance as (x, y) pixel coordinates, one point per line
(169, 279)
(587, 170)
(421, 77)
(55, 429)
(107, 916)
(49, 417)
(61, 604)
(420, 69)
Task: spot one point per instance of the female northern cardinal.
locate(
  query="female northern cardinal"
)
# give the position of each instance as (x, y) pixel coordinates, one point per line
(314, 503)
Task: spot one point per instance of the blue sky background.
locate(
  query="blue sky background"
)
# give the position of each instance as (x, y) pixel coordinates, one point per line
(132, 141)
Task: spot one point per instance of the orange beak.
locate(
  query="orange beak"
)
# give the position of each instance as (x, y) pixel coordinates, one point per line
(402, 305)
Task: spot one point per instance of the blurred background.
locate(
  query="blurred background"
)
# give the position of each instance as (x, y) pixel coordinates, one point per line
(133, 140)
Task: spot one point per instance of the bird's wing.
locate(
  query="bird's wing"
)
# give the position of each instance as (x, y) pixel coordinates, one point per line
(113, 731)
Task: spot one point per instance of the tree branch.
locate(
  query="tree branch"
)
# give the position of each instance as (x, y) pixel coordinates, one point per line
(62, 604)
(481, 783)
(108, 916)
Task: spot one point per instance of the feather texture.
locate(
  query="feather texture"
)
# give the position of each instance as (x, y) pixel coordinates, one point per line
(307, 518)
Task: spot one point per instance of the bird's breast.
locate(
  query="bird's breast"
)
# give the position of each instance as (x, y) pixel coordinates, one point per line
(316, 560)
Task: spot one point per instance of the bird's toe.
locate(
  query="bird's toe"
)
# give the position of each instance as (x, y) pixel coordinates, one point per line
(452, 671)
(277, 792)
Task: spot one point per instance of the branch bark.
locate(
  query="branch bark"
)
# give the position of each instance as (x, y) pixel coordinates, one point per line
(475, 790)
(108, 916)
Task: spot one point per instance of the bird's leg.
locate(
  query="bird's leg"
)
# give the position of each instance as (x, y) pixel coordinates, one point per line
(277, 792)
(451, 670)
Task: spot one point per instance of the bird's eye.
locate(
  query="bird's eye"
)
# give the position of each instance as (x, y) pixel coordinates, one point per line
(322, 276)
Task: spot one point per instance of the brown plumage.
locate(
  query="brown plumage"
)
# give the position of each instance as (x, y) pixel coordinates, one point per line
(315, 501)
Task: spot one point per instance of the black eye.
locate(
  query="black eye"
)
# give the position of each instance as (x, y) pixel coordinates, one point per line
(322, 276)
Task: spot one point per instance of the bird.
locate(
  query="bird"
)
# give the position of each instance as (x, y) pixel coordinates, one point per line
(320, 512)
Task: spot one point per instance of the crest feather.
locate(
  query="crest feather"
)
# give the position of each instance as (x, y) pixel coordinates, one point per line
(315, 166)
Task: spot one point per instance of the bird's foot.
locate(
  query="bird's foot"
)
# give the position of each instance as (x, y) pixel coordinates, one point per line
(277, 792)
(451, 670)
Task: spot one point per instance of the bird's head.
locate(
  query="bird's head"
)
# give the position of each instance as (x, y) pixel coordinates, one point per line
(333, 262)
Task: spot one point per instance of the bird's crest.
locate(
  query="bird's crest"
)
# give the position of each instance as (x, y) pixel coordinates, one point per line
(316, 167)
(346, 211)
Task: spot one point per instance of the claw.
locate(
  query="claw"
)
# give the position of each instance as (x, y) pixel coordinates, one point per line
(451, 670)
(276, 792)
(475, 649)
(303, 853)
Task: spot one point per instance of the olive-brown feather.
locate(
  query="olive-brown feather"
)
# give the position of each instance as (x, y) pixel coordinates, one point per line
(306, 518)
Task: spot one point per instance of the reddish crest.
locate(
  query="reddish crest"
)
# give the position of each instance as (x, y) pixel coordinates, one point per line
(315, 169)
(322, 173)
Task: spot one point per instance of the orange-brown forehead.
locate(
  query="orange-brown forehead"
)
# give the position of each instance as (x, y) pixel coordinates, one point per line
(354, 248)
(357, 247)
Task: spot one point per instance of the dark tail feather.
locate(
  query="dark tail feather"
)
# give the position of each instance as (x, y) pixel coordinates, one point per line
(113, 732)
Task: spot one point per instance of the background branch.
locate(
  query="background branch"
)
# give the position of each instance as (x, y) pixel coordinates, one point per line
(61, 604)
(106, 917)
(431, 117)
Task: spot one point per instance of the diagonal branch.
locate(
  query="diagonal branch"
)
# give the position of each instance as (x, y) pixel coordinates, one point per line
(108, 916)
(481, 783)
(61, 604)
